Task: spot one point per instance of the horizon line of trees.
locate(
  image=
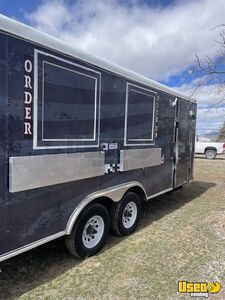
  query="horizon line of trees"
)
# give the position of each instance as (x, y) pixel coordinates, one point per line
(221, 134)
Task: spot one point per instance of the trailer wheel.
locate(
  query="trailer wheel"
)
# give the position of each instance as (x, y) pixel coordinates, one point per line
(125, 214)
(210, 154)
(90, 232)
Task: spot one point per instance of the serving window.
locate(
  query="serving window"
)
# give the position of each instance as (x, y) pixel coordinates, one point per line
(67, 103)
(139, 115)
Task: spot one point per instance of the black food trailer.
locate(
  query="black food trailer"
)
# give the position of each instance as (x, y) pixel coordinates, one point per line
(83, 143)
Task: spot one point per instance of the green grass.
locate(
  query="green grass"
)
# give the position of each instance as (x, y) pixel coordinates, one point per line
(181, 237)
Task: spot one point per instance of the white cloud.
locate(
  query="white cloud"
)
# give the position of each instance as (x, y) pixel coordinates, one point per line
(211, 104)
(210, 120)
(208, 95)
(157, 42)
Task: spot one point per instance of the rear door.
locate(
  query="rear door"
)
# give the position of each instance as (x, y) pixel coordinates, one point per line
(182, 142)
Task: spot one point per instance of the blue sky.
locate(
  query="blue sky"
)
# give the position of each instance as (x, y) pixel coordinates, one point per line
(158, 39)
(15, 8)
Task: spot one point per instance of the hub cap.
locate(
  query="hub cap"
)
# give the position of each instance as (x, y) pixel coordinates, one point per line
(129, 215)
(93, 231)
(210, 154)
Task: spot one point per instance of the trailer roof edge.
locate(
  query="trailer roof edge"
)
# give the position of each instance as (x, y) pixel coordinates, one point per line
(26, 32)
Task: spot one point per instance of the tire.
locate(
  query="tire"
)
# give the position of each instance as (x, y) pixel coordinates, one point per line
(122, 222)
(90, 232)
(210, 154)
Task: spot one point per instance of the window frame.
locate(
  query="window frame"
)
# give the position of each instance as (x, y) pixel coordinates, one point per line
(142, 142)
(39, 138)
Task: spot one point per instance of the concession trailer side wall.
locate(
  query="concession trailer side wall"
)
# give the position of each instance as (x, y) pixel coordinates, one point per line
(82, 143)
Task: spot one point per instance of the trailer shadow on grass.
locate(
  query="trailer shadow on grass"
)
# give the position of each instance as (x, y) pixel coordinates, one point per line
(41, 265)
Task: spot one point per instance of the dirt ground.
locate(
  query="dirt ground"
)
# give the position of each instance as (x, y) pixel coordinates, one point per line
(181, 237)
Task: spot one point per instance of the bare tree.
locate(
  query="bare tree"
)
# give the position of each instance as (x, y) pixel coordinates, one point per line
(221, 135)
(212, 73)
(213, 69)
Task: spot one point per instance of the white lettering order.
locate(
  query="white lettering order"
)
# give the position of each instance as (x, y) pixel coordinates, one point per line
(28, 97)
